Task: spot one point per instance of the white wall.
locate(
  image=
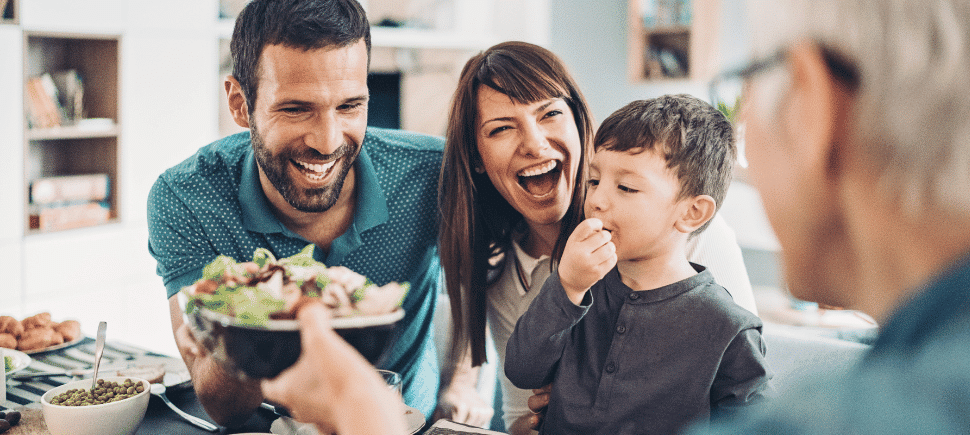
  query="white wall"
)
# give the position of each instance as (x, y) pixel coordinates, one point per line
(591, 38)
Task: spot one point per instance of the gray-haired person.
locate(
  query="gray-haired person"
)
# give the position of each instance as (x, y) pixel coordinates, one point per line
(858, 136)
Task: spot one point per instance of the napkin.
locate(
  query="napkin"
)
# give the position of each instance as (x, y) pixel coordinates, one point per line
(289, 426)
(413, 418)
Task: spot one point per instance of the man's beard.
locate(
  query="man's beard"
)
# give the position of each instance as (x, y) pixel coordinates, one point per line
(306, 200)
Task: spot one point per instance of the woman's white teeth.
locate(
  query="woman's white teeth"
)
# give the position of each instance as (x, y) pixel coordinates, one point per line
(538, 170)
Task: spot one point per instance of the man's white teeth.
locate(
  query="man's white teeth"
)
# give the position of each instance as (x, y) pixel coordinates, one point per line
(538, 170)
(317, 171)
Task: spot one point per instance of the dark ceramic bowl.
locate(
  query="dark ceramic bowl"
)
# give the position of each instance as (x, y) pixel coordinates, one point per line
(254, 352)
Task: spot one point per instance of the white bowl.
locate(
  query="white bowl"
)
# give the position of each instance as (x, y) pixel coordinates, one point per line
(115, 418)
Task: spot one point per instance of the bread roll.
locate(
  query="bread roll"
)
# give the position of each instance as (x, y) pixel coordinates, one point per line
(36, 338)
(69, 329)
(11, 325)
(8, 341)
(40, 320)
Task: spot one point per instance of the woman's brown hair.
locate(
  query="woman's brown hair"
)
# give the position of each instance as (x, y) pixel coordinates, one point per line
(477, 222)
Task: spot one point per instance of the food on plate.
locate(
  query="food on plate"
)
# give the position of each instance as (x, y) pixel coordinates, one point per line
(104, 392)
(36, 332)
(10, 325)
(273, 289)
(7, 364)
(39, 338)
(8, 341)
(69, 329)
(39, 320)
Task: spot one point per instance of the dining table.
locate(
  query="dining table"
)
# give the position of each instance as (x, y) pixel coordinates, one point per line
(24, 394)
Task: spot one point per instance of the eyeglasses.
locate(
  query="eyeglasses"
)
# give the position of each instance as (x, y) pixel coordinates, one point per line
(726, 89)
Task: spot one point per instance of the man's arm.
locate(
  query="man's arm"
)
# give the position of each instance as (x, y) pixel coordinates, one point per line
(229, 401)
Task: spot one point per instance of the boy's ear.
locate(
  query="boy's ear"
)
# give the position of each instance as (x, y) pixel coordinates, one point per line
(697, 211)
(237, 102)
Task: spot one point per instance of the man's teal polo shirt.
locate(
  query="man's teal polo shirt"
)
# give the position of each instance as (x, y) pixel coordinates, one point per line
(212, 204)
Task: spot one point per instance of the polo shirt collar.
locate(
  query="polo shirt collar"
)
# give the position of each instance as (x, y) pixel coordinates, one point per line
(371, 208)
(256, 213)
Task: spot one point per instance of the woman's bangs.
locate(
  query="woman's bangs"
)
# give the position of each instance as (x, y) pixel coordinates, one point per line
(521, 82)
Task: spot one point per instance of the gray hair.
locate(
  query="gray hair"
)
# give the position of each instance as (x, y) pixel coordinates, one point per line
(912, 107)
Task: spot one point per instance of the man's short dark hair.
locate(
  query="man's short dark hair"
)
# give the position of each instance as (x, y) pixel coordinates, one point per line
(694, 138)
(302, 24)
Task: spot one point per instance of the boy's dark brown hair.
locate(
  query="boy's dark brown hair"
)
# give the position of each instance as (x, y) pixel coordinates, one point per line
(695, 139)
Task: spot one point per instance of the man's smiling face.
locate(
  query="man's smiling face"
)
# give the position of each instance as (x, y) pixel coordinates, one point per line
(309, 121)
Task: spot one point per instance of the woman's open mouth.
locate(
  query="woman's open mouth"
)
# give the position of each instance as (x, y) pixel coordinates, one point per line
(540, 180)
(315, 172)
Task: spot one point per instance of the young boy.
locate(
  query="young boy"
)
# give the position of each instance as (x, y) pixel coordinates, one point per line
(632, 336)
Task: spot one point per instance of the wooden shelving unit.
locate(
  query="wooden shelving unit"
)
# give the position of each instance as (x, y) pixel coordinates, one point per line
(682, 48)
(77, 146)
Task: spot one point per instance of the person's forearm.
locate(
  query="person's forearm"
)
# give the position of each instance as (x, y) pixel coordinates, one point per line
(227, 400)
(463, 374)
(361, 410)
(540, 336)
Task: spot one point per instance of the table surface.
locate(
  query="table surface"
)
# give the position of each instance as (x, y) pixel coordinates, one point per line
(158, 419)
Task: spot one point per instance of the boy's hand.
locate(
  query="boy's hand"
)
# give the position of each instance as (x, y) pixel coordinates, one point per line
(588, 256)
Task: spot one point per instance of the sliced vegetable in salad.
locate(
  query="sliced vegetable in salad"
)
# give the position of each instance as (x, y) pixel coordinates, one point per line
(7, 364)
(267, 288)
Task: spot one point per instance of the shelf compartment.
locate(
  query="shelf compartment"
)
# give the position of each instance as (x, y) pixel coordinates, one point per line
(89, 145)
(673, 51)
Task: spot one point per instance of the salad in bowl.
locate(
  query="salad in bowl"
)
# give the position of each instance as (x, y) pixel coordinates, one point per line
(244, 313)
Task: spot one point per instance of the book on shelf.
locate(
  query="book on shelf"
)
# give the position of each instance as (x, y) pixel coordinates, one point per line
(43, 105)
(70, 94)
(55, 99)
(65, 216)
(69, 188)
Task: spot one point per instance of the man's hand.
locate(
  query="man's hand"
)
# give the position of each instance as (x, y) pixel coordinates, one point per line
(461, 403)
(589, 255)
(227, 400)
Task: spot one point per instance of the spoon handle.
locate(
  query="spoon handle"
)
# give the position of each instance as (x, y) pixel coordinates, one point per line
(189, 417)
(98, 350)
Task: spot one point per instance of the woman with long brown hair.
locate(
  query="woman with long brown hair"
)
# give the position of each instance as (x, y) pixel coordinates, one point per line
(511, 190)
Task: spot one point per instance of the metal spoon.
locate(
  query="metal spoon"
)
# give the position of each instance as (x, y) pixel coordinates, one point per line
(69, 373)
(159, 390)
(98, 350)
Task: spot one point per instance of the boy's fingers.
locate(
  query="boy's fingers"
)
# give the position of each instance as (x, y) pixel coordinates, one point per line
(587, 228)
(604, 253)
